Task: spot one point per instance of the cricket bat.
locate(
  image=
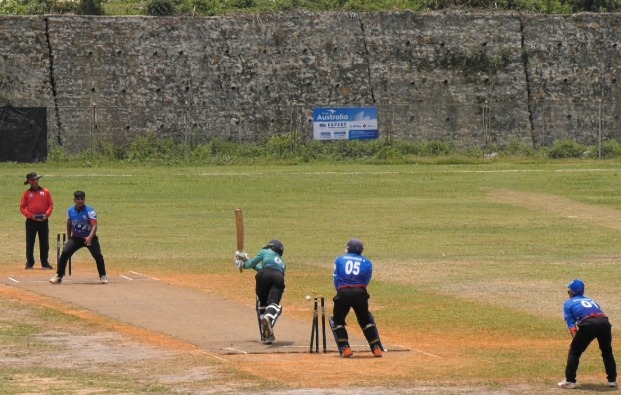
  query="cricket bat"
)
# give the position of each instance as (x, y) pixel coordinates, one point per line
(239, 225)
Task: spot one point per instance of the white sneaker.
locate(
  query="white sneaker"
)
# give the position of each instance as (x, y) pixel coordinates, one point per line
(56, 279)
(612, 383)
(103, 280)
(266, 325)
(567, 384)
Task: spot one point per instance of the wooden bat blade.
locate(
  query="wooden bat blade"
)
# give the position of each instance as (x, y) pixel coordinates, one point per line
(239, 226)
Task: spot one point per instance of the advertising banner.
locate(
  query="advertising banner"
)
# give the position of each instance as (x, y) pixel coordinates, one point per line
(348, 123)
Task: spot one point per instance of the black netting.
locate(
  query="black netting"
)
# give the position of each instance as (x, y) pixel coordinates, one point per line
(23, 134)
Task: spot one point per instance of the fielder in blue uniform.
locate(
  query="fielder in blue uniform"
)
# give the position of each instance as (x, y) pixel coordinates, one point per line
(352, 274)
(82, 232)
(586, 321)
(269, 283)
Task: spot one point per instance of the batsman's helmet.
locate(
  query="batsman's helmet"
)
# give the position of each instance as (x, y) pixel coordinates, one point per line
(276, 246)
(354, 246)
(576, 286)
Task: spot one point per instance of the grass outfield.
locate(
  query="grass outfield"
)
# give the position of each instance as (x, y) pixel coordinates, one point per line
(477, 254)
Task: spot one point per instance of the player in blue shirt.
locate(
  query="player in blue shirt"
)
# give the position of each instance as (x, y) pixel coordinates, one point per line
(586, 321)
(82, 232)
(352, 274)
(269, 283)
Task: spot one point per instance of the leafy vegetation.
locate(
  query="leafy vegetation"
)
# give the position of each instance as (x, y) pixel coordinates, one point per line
(290, 148)
(223, 7)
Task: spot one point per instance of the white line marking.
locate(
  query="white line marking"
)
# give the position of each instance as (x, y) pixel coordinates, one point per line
(144, 275)
(14, 280)
(128, 278)
(338, 173)
(277, 346)
(426, 353)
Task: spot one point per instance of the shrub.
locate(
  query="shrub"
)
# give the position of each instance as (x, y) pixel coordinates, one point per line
(566, 149)
(199, 7)
(610, 149)
(57, 154)
(154, 149)
(160, 7)
(284, 146)
(108, 151)
(515, 147)
(436, 148)
(408, 147)
(242, 3)
(90, 7)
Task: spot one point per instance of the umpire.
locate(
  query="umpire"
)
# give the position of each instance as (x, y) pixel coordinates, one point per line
(37, 206)
(586, 321)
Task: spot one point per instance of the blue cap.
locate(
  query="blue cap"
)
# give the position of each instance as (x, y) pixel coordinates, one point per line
(576, 286)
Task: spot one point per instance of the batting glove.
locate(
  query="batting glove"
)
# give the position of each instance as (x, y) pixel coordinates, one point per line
(242, 256)
(239, 263)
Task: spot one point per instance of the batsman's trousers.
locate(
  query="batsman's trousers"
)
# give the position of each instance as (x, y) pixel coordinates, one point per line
(270, 285)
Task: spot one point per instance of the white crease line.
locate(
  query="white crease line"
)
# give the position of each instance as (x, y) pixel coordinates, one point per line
(277, 346)
(342, 173)
(127, 278)
(144, 275)
(426, 353)
(14, 280)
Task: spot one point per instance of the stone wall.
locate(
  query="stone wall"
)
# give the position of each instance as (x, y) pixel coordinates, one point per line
(472, 79)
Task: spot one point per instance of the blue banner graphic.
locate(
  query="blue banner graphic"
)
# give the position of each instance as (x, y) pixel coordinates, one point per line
(348, 123)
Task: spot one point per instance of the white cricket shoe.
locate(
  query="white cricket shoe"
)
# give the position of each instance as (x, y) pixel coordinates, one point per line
(266, 325)
(567, 385)
(56, 279)
(103, 280)
(612, 383)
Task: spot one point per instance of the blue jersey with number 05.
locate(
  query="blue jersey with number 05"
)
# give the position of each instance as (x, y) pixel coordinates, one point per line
(352, 270)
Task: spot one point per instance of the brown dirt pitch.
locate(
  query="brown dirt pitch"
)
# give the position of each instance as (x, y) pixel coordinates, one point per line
(187, 357)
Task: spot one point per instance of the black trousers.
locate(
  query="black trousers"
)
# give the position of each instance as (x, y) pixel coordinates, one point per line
(593, 328)
(34, 228)
(352, 298)
(270, 285)
(74, 244)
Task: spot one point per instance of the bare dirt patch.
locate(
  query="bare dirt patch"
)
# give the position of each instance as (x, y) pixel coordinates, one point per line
(560, 206)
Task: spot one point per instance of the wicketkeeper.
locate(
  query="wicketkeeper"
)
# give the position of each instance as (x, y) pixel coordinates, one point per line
(270, 284)
(352, 274)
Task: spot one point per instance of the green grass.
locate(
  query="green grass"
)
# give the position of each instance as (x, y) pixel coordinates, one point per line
(447, 258)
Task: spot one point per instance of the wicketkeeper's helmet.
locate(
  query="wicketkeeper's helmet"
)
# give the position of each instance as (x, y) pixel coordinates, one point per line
(354, 246)
(576, 286)
(276, 246)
